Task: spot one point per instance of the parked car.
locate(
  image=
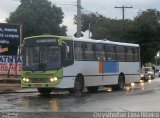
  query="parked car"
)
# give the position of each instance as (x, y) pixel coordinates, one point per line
(157, 71)
(147, 73)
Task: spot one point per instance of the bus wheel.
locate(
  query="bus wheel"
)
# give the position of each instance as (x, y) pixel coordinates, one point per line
(78, 86)
(93, 89)
(44, 91)
(120, 85)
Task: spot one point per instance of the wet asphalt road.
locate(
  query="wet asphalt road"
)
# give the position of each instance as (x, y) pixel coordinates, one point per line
(140, 97)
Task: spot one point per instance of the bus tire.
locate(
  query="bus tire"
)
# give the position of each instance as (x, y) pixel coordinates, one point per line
(93, 89)
(121, 83)
(44, 91)
(78, 86)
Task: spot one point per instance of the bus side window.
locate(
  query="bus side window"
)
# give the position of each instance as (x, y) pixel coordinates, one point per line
(100, 51)
(129, 54)
(121, 53)
(110, 52)
(69, 60)
(136, 54)
(78, 51)
(90, 51)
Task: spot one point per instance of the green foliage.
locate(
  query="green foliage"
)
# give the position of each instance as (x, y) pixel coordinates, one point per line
(38, 17)
(102, 27)
(143, 30)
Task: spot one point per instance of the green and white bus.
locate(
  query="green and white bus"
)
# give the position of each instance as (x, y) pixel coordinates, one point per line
(68, 63)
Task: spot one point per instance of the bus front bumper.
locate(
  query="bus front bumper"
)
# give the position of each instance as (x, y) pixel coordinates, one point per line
(40, 85)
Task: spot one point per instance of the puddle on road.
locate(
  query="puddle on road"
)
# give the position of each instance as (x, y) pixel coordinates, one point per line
(138, 89)
(63, 101)
(53, 102)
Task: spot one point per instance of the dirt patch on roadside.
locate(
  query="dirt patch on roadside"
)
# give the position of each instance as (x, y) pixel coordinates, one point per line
(11, 77)
(9, 87)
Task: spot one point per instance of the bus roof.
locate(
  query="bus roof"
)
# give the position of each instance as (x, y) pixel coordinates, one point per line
(46, 36)
(106, 41)
(86, 40)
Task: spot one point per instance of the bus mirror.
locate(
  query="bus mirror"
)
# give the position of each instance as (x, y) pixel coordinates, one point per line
(19, 50)
(67, 49)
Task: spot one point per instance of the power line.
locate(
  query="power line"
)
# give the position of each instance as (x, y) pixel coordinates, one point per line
(65, 4)
(64, 1)
(133, 12)
(84, 9)
(123, 8)
(59, 3)
(120, 2)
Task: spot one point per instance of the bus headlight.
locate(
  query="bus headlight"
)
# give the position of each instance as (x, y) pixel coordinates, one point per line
(25, 79)
(53, 79)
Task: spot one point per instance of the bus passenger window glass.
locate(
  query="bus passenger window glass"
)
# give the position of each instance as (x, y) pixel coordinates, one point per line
(110, 52)
(100, 53)
(78, 51)
(129, 54)
(89, 51)
(136, 54)
(120, 53)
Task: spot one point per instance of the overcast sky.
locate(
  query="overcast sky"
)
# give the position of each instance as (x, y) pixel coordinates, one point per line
(104, 7)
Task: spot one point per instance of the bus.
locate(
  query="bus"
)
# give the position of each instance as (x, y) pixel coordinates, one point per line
(67, 63)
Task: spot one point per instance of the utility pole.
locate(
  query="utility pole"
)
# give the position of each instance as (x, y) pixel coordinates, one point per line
(123, 8)
(79, 18)
(89, 27)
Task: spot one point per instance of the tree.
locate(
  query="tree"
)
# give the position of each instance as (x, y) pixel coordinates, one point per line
(145, 31)
(38, 17)
(104, 28)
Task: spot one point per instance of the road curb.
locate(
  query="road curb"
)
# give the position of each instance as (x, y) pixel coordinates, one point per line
(10, 92)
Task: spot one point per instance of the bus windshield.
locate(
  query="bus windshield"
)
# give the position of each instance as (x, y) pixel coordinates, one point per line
(41, 58)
